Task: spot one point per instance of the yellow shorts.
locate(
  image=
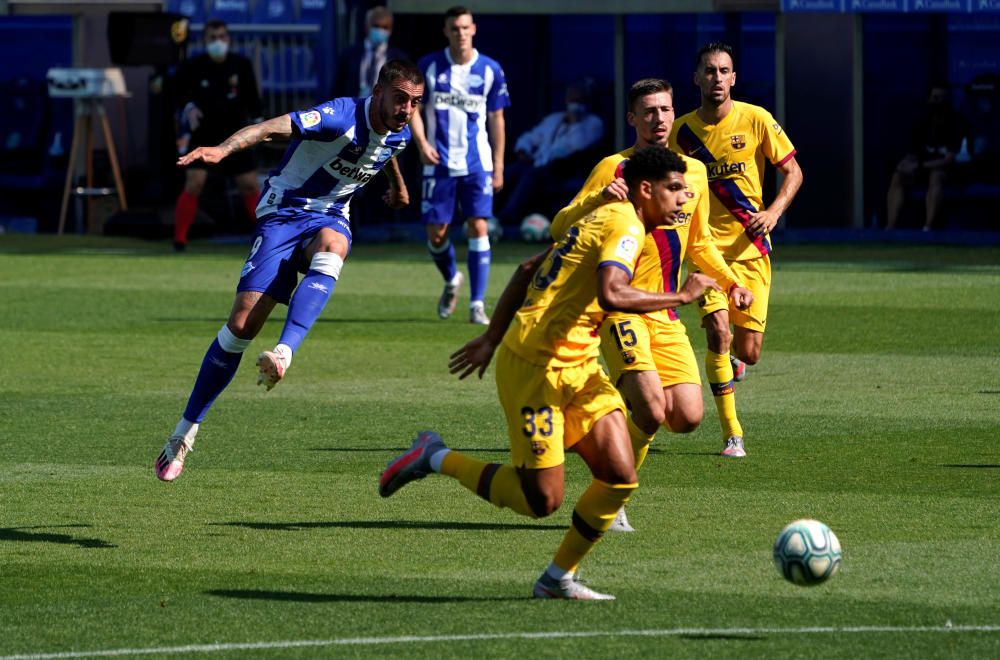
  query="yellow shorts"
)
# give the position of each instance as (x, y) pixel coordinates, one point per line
(756, 276)
(630, 342)
(549, 410)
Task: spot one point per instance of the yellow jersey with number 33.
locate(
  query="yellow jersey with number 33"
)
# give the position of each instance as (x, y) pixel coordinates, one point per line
(558, 323)
(733, 152)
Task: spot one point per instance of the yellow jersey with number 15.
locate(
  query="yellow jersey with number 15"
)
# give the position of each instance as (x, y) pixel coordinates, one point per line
(733, 152)
(558, 323)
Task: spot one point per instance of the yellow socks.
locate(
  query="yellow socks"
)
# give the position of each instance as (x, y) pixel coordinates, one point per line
(640, 442)
(720, 379)
(496, 483)
(594, 513)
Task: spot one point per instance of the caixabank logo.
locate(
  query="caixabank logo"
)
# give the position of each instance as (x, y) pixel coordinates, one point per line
(941, 5)
(813, 5)
(878, 5)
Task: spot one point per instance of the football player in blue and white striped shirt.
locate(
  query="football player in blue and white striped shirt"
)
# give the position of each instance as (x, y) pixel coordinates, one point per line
(303, 225)
(461, 141)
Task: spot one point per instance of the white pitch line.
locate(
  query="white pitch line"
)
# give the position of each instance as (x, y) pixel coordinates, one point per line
(410, 639)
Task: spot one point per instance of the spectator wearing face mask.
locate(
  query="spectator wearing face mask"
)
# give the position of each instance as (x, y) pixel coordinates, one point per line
(218, 95)
(543, 151)
(358, 66)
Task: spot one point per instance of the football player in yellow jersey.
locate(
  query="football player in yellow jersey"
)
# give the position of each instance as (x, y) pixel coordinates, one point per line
(733, 139)
(555, 395)
(649, 356)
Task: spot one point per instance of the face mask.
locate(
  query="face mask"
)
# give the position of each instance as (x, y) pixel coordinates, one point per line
(377, 36)
(217, 49)
(576, 109)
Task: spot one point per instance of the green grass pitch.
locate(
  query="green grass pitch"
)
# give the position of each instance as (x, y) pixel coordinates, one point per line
(875, 409)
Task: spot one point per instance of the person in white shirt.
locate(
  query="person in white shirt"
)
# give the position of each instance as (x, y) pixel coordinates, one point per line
(543, 150)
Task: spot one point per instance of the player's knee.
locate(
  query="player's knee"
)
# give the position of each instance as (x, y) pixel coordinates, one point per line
(327, 263)
(240, 328)
(476, 227)
(621, 475)
(648, 415)
(437, 239)
(750, 354)
(719, 336)
(684, 421)
(544, 504)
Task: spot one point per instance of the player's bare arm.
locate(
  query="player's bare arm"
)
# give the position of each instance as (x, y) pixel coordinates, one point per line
(244, 138)
(397, 196)
(496, 128)
(708, 259)
(763, 221)
(616, 294)
(428, 154)
(477, 353)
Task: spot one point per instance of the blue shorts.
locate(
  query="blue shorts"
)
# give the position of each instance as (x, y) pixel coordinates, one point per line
(474, 193)
(272, 267)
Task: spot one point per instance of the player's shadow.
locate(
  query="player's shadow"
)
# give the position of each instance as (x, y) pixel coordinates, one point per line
(309, 597)
(19, 534)
(464, 450)
(975, 466)
(728, 636)
(391, 320)
(390, 524)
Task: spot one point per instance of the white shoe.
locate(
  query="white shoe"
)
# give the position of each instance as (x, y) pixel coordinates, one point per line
(566, 588)
(272, 366)
(170, 462)
(477, 314)
(620, 523)
(734, 447)
(446, 303)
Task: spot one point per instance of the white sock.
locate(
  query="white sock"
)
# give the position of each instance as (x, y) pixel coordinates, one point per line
(477, 303)
(557, 573)
(284, 351)
(437, 458)
(186, 429)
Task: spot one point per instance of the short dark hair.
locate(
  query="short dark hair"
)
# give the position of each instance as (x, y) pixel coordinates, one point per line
(456, 11)
(652, 163)
(214, 24)
(647, 86)
(715, 47)
(400, 69)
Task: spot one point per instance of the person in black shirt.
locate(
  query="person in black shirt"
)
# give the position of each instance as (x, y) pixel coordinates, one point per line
(217, 91)
(937, 137)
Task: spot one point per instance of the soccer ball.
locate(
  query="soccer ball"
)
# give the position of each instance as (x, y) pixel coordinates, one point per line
(807, 552)
(535, 228)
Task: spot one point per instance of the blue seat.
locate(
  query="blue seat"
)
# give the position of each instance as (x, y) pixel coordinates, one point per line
(291, 68)
(274, 11)
(230, 11)
(313, 11)
(193, 9)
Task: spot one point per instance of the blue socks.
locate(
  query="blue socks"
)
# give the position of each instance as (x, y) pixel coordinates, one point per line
(444, 259)
(307, 302)
(479, 267)
(217, 370)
